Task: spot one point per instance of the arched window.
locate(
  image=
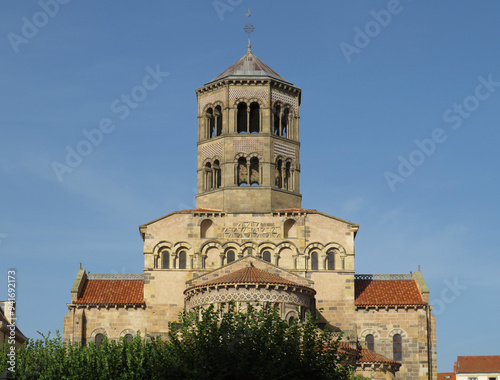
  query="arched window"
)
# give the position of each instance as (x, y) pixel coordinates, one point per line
(254, 118)
(128, 338)
(314, 260)
(287, 180)
(290, 228)
(98, 339)
(218, 121)
(206, 228)
(278, 179)
(242, 172)
(330, 260)
(208, 176)
(230, 256)
(370, 342)
(182, 260)
(217, 175)
(165, 259)
(266, 256)
(254, 171)
(210, 122)
(277, 112)
(241, 122)
(284, 122)
(397, 348)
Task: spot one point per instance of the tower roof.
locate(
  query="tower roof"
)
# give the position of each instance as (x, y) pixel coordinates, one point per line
(249, 66)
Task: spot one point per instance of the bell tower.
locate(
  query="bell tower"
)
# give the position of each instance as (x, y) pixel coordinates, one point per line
(248, 140)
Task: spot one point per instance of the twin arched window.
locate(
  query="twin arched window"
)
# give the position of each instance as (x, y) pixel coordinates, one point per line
(248, 118)
(248, 172)
(214, 121)
(283, 176)
(180, 260)
(281, 121)
(212, 175)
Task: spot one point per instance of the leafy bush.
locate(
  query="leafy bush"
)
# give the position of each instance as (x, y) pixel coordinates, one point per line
(202, 345)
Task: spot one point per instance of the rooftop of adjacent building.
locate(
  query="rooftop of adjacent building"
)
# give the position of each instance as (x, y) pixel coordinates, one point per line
(478, 364)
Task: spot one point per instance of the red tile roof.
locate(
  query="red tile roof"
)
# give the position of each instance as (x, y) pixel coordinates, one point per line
(387, 293)
(478, 364)
(369, 356)
(248, 275)
(112, 292)
(446, 376)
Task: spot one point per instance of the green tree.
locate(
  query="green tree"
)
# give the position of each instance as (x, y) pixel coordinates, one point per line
(203, 344)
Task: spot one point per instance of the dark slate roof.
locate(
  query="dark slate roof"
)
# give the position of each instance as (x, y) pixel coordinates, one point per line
(248, 66)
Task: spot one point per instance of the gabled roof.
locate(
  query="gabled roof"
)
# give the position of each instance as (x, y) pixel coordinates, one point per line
(248, 275)
(112, 292)
(387, 293)
(248, 66)
(478, 364)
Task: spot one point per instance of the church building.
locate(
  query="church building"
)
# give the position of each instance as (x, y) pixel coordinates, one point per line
(249, 239)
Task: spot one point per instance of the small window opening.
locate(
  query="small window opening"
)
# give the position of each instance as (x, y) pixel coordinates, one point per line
(266, 256)
(182, 260)
(370, 342)
(98, 339)
(217, 175)
(211, 122)
(314, 260)
(287, 176)
(218, 121)
(397, 347)
(242, 118)
(242, 172)
(165, 260)
(208, 176)
(278, 179)
(254, 118)
(129, 338)
(284, 122)
(254, 171)
(277, 112)
(230, 256)
(330, 260)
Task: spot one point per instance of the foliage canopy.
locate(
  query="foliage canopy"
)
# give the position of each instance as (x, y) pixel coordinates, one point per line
(257, 344)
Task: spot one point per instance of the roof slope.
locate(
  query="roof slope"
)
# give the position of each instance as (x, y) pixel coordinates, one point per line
(369, 356)
(248, 275)
(387, 293)
(112, 292)
(478, 364)
(248, 65)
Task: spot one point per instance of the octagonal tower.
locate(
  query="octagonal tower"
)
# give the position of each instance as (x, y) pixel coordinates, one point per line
(248, 140)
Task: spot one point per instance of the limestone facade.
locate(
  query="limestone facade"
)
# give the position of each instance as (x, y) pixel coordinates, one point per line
(249, 214)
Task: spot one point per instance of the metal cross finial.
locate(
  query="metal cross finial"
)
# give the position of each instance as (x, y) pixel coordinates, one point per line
(249, 28)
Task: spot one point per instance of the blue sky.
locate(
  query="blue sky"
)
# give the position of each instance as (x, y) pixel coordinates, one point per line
(399, 130)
